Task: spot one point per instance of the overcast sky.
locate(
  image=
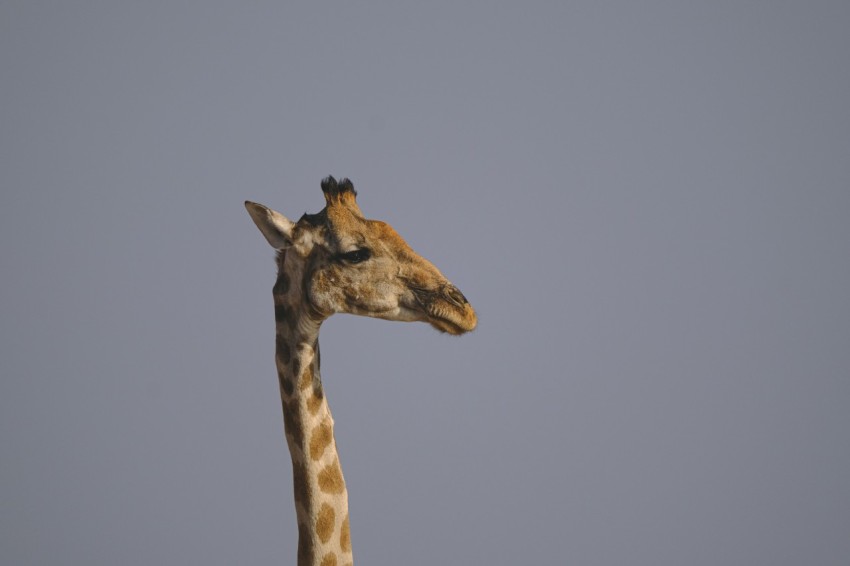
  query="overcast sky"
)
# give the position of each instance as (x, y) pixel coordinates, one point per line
(648, 203)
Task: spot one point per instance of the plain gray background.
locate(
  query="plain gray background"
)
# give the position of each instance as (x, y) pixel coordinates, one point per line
(647, 202)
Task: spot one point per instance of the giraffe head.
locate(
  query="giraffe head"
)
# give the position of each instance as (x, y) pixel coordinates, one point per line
(349, 264)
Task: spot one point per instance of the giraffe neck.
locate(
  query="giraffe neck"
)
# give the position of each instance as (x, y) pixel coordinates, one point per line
(321, 499)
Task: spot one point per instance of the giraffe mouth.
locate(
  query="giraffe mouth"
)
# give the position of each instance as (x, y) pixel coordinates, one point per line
(446, 309)
(450, 326)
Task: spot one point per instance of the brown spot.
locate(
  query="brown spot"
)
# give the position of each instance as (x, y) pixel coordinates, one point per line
(284, 352)
(299, 484)
(318, 391)
(281, 286)
(325, 522)
(314, 404)
(330, 478)
(317, 375)
(286, 384)
(306, 379)
(305, 549)
(345, 536)
(321, 438)
(329, 560)
(282, 313)
(292, 425)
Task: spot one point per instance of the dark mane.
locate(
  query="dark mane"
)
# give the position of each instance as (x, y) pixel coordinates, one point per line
(315, 220)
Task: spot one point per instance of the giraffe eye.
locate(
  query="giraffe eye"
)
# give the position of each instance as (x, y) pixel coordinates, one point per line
(357, 256)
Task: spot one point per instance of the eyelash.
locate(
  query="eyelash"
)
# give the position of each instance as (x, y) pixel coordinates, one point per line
(356, 256)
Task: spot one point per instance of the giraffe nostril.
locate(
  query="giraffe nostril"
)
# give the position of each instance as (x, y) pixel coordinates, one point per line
(456, 296)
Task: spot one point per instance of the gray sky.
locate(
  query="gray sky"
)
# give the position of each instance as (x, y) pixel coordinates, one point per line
(647, 202)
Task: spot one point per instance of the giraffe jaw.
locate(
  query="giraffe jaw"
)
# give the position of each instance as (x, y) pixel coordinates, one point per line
(443, 319)
(445, 308)
(455, 323)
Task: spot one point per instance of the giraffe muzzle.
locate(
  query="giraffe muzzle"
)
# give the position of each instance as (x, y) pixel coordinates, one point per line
(446, 309)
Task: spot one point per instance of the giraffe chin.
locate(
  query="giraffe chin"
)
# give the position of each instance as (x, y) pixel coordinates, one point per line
(455, 324)
(447, 327)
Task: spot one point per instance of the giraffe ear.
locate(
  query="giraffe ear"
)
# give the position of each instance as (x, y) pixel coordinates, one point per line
(276, 227)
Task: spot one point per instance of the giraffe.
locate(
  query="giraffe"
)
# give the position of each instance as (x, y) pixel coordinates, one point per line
(337, 261)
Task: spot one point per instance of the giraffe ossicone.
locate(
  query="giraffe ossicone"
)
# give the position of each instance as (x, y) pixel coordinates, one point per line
(337, 261)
